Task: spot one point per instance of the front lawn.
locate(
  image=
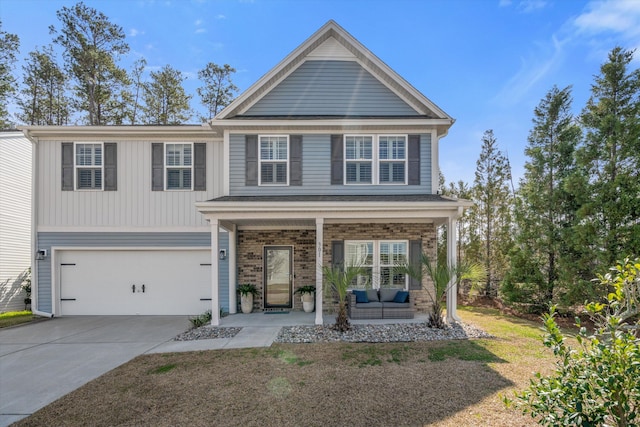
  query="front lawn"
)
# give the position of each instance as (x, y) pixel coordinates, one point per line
(12, 318)
(446, 383)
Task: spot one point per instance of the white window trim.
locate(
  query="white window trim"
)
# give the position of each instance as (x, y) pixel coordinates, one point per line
(375, 159)
(165, 167)
(76, 166)
(377, 265)
(406, 159)
(260, 161)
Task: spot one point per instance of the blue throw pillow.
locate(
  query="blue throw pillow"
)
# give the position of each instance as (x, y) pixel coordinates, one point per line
(401, 296)
(361, 296)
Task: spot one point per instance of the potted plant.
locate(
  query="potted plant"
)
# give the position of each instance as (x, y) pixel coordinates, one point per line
(307, 295)
(247, 292)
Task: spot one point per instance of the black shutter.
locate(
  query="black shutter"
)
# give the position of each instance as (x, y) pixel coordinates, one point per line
(67, 166)
(200, 167)
(251, 160)
(415, 256)
(337, 254)
(337, 164)
(157, 166)
(414, 160)
(110, 166)
(295, 160)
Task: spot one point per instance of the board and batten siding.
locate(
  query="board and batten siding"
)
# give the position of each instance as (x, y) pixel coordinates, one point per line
(336, 88)
(15, 218)
(134, 204)
(316, 171)
(121, 240)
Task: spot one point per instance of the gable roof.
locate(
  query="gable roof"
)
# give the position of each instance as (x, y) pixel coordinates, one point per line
(332, 42)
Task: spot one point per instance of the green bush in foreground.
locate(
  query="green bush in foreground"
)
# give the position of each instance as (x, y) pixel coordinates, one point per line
(597, 383)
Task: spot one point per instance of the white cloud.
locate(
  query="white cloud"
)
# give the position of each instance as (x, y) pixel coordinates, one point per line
(618, 16)
(528, 6)
(221, 16)
(504, 3)
(201, 30)
(198, 22)
(135, 32)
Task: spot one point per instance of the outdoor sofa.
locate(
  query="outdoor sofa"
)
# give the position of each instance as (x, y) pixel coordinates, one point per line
(382, 304)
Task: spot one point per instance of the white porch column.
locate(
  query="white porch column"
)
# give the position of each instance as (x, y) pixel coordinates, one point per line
(319, 264)
(233, 303)
(215, 251)
(452, 290)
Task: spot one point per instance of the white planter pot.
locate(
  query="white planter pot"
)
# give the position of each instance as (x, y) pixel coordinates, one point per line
(308, 303)
(246, 303)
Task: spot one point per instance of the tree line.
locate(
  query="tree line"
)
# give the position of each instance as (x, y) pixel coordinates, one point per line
(88, 83)
(576, 210)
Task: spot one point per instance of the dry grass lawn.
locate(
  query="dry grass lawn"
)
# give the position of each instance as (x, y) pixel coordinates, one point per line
(457, 383)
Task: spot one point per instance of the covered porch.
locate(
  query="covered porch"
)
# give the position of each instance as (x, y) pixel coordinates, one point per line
(311, 226)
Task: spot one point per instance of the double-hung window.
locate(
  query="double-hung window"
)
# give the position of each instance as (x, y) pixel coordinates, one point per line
(375, 159)
(392, 158)
(88, 166)
(377, 259)
(178, 166)
(358, 155)
(274, 159)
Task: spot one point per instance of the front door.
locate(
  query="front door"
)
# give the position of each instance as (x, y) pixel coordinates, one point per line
(278, 276)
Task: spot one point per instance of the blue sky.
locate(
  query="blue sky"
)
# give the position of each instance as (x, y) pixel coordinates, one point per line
(487, 63)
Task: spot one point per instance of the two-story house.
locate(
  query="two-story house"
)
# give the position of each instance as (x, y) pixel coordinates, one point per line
(330, 158)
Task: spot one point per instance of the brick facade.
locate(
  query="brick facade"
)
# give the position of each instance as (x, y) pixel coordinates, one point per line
(251, 245)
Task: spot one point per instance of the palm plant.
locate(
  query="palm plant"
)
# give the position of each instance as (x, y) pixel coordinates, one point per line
(442, 276)
(339, 280)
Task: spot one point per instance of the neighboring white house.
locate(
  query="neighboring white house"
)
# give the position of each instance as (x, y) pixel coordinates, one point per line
(15, 218)
(330, 158)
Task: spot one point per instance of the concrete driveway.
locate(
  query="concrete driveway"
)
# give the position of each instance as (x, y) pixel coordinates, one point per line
(43, 361)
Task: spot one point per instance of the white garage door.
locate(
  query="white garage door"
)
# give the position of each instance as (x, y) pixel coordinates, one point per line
(153, 282)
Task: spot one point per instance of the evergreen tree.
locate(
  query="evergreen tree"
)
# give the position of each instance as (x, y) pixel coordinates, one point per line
(545, 209)
(218, 90)
(461, 190)
(92, 45)
(166, 102)
(9, 46)
(43, 98)
(138, 87)
(610, 156)
(491, 216)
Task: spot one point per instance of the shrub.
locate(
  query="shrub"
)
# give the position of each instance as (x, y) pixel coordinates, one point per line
(597, 382)
(201, 320)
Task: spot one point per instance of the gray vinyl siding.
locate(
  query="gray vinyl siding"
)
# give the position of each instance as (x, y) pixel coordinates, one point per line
(142, 240)
(316, 172)
(340, 88)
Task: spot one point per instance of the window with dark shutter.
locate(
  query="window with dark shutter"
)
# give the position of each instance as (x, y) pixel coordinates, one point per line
(251, 160)
(414, 159)
(415, 257)
(67, 166)
(200, 167)
(337, 254)
(157, 166)
(295, 160)
(337, 165)
(110, 166)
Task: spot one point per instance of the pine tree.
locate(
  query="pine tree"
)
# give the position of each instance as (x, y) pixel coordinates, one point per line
(610, 156)
(9, 46)
(218, 90)
(138, 87)
(491, 216)
(166, 102)
(43, 99)
(92, 45)
(545, 209)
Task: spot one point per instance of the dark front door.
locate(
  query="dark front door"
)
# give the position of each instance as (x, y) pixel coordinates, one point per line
(278, 276)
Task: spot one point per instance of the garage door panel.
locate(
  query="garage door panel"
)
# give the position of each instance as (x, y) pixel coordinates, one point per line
(135, 282)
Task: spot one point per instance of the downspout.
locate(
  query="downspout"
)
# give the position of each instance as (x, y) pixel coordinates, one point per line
(34, 235)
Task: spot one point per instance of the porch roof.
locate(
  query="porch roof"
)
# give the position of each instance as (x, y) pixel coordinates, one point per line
(304, 210)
